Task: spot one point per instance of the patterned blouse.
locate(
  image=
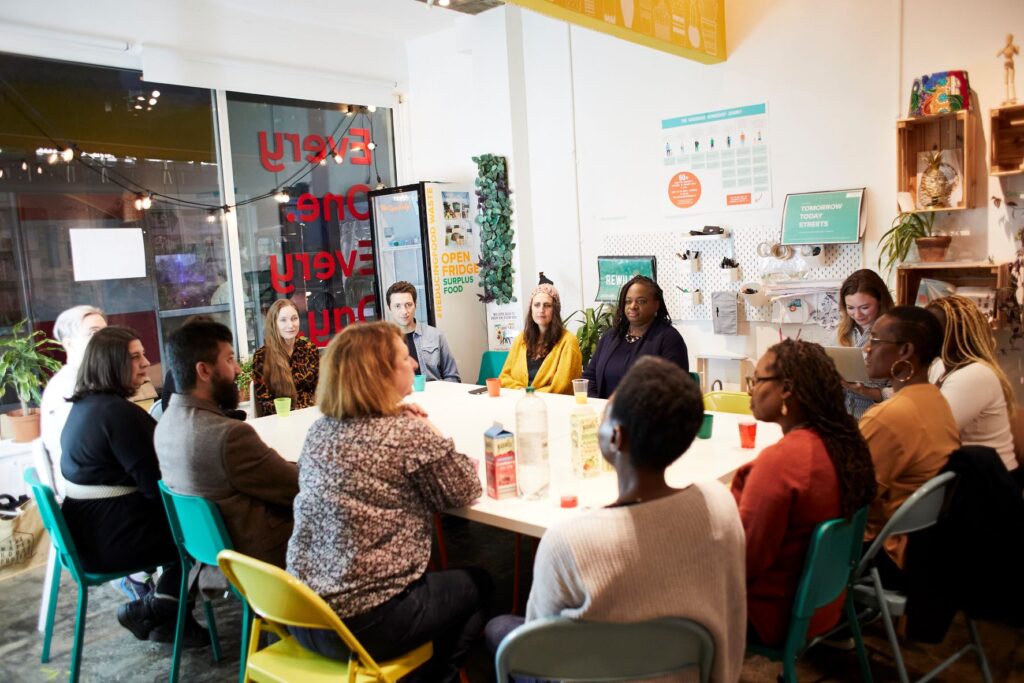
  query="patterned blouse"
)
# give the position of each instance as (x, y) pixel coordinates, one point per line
(305, 364)
(368, 490)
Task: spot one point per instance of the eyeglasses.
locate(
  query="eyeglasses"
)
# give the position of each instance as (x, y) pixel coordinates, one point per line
(876, 340)
(754, 380)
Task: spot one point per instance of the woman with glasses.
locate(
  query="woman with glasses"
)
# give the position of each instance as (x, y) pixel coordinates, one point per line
(820, 469)
(863, 298)
(912, 434)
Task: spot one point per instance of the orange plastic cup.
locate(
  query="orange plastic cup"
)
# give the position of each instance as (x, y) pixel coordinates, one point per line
(493, 386)
(748, 434)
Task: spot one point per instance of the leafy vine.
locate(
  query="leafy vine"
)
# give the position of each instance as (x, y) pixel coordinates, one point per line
(495, 219)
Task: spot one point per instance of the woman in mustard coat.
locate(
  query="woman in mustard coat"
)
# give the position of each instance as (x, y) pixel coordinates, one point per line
(545, 356)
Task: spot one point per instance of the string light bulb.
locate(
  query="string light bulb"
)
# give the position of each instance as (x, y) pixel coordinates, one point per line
(323, 161)
(156, 93)
(24, 166)
(143, 202)
(281, 197)
(371, 145)
(67, 154)
(211, 217)
(152, 101)
(338, 158)
(443, 3)
(371, 108)
(52, 158)
(39, 170)
(1, 173)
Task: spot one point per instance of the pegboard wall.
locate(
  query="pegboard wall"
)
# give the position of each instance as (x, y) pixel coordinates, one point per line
(674, 274)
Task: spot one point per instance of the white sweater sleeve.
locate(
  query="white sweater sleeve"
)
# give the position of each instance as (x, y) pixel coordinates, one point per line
(969, 391)
(557, 586)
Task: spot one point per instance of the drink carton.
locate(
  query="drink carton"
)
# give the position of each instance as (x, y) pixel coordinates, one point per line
(500, 462)
(586, 453)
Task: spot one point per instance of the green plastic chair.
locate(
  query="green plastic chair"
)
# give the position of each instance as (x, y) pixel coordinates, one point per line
(728, 402)
(695, 376)
(491, 364)
(200, 534)
(828, 570)
(53, 521)
(558, 648)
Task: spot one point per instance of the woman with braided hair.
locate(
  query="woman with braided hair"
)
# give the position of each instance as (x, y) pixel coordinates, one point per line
(820, 469)
(976, 388)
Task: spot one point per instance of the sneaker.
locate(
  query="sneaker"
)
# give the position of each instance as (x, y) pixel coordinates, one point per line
(838, 642)
(137, 617)
(135, 590)
(194, 635)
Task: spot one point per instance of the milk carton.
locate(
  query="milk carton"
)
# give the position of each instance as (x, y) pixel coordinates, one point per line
(500, 462)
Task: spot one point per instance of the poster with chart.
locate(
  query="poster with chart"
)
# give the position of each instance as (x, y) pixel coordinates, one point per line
(716, 161)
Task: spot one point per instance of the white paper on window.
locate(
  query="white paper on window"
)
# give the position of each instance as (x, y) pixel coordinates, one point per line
(107, 254)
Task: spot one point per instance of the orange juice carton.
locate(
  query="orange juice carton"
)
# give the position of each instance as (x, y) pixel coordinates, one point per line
(500, 462)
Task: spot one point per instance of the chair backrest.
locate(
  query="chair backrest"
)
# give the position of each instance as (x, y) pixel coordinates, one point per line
(44, 466)
(1017, 428)
(491, 364)
(828, 569)
(156, 410)
(196, 525)
(53, 521)
(695, 376)
(920, 511)
(278, 597)
(565, 649)
(728, 402)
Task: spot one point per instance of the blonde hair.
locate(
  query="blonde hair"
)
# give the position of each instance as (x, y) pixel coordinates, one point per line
(968, 339)
(356, 370)
(277, 369)
(862, 281)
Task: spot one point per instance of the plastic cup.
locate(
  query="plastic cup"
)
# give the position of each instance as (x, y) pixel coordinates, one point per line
(419, 382)
(706, 426)
(283, 406)
(579, 389)
(493, 386)
(748, 433)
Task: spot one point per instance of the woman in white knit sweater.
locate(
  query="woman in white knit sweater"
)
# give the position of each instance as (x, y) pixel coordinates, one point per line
(656, 551)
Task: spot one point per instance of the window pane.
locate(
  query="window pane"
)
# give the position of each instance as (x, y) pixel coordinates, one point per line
(314, 247)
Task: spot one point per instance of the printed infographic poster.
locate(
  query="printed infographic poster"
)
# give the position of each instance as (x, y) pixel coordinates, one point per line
(717, 161)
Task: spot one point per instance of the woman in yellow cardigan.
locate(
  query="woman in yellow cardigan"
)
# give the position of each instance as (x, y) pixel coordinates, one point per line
(545, 356)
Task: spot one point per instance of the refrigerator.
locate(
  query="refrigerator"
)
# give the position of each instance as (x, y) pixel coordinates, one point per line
(426, 234)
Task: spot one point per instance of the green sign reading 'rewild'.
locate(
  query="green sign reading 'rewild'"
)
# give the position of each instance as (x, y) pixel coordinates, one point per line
(615, 271)
(823, 217)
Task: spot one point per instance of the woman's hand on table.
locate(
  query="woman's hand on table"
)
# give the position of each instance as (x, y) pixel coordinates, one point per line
(413, 410)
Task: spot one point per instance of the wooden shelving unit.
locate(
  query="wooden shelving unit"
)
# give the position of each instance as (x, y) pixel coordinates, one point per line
(959, 273)
(953, 131)
(1006, 146)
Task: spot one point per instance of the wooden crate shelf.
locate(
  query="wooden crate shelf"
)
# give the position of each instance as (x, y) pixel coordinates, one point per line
(958, 273)
(954, 131)
(1006, 140)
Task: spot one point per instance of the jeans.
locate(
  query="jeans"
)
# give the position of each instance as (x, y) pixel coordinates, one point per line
(446, 607)
(495, 632)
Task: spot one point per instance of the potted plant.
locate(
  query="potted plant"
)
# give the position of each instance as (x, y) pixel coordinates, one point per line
(595, 323)
(25, 367)
(912, 228)
(244, 380)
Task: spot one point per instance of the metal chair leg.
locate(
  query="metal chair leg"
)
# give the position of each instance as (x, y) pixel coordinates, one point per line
(986, 672)
(890, 630)
(858, 639)
(179, 625)
(76, 647)
(51, 610)
(211, 624)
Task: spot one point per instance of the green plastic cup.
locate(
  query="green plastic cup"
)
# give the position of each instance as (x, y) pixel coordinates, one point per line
(705, 426)
(283, 406)
(419, 382)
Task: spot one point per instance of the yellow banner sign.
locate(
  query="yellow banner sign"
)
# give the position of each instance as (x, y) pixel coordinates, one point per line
(694, 29)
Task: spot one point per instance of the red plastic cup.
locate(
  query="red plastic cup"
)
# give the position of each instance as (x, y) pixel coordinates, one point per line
(494, 386)
(748, 433)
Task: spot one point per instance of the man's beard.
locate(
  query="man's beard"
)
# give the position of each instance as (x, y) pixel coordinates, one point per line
(225, 393)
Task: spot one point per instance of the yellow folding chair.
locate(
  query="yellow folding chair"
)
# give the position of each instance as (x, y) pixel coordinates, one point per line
(278, 600)
(728, 402)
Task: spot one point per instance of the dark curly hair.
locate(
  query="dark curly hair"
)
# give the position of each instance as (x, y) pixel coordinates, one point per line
(816, 386)
(621, 324)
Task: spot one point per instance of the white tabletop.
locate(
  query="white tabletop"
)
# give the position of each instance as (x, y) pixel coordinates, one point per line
(465, 417)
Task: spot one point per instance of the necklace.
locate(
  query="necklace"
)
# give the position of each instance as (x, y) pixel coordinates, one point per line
(633, 338)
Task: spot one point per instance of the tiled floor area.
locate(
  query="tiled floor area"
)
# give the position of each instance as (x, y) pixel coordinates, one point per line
(112, 654)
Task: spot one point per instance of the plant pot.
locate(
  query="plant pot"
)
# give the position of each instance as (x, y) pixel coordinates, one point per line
(25, 427)
(933, 248)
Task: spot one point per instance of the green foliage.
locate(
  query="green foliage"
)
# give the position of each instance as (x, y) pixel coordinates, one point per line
(894, 245)
(496, 235)
(595, 323)
(244, 378)
(24, 365)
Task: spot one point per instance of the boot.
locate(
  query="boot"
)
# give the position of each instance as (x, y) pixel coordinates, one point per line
(143, 615)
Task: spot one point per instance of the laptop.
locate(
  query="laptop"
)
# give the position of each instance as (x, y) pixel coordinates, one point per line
(849, 362)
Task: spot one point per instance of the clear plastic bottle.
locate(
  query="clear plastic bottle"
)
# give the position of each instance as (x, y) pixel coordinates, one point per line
(534, 470)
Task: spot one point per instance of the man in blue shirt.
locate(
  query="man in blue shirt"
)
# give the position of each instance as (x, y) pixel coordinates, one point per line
(426, 344)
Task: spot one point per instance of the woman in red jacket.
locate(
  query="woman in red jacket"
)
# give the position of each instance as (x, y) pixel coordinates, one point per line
(820, 469)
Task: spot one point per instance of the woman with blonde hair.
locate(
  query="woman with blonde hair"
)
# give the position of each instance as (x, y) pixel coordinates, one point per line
(863, 299)
(974, 385)
(546, 356)
(372, 474)
(287, 365)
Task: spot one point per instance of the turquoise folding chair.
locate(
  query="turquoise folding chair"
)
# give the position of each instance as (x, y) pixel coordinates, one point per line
(491, 364)
(53, 520)
(828, 570)
(199, 533)
(565, 649)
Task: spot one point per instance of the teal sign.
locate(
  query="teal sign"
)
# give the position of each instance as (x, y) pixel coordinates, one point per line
(823, 217)
(615, 271)
(714, 116)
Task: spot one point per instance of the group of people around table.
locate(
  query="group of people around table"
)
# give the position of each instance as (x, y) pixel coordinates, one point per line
(353, 518)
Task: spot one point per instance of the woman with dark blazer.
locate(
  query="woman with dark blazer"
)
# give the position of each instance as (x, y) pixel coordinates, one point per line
(642, 327)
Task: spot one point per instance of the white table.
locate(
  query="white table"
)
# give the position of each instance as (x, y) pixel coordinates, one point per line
(465, 417)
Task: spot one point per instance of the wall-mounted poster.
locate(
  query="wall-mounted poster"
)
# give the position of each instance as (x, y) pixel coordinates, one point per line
(615, 271)
(823, 217)
(716, 161)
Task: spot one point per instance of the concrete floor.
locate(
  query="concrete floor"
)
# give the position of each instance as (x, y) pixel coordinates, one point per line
(113, 654)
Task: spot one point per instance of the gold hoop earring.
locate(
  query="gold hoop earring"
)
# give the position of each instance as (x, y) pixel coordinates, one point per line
(785, 410)
(894, 373)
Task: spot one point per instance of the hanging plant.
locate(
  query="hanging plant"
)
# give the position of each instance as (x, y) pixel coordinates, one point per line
(495, 220)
